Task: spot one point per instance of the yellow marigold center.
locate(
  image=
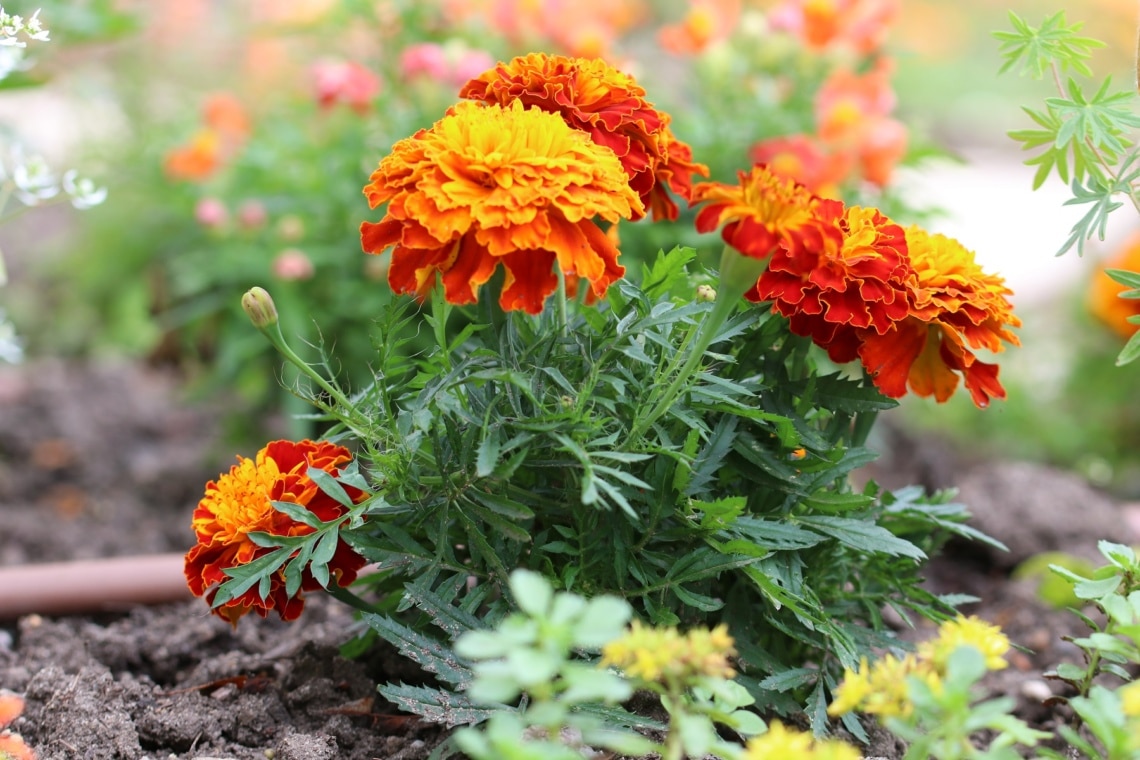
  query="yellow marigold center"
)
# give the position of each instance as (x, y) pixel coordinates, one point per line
(502, 167)
(781, 203)
(240, 500)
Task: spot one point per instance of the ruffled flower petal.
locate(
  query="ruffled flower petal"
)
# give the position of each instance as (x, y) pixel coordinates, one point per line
(609, 105)
(239, 503)
(487, 185)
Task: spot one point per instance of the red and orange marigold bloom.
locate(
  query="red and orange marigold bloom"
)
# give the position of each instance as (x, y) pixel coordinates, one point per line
(12, 746)
(761, 213)
(488, 185)
(239, 503)
(847, 275)
(956, 307)
(607, 104)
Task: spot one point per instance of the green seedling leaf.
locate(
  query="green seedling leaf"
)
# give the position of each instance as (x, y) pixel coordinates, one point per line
(532, 592)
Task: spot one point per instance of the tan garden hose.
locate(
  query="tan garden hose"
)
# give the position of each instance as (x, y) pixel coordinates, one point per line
(95, 585)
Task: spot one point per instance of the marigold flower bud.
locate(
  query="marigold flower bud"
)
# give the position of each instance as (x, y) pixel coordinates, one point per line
(259, 306)
(706, 293)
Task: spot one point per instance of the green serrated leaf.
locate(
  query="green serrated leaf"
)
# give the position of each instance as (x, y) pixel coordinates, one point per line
(431, 655)
(863, 536)
(436, 705)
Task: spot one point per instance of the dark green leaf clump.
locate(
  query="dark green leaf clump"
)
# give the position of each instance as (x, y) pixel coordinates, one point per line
(520, 442)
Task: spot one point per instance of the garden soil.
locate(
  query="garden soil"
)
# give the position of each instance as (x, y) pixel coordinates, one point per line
(108, 460)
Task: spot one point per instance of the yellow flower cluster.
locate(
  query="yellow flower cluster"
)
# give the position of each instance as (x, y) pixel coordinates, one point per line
(881, 689)
(781, 742)
(666, 656)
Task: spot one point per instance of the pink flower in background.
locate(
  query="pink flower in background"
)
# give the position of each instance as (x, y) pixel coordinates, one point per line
(424, 59)
(859, 25)
(452, 63)
(292, 264)
(211, 213)
(847, 102)
(252, 214)
(469, 64)
(883, 147)
(344, 82)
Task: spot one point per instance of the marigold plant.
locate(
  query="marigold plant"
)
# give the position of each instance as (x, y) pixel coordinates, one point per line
(559, 413)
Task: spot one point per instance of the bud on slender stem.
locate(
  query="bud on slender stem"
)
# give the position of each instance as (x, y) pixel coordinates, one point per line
(259, 306)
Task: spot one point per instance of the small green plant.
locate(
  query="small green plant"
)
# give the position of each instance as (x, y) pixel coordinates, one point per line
(932, 699)
(1084, 136)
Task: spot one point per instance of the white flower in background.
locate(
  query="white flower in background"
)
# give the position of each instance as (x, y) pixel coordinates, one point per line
(11, 350)
(82, 190)
(34, 179)
(11, 27)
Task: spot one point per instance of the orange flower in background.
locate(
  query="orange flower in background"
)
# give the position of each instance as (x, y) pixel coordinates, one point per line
(487, 185)
(576, 27)
(807, 160)
(592, 96)
(239, 503)
(705, 22)
(761, 213)
(226, 115)
(858, 25)
(226, 128)
(956, 307)
(12, 746)
(852, 115)
(1105, 302)
(195, 161)
(847, 275)
(345, 82)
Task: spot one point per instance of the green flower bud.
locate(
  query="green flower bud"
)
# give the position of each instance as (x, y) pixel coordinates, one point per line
(259, 306)
(706, 293)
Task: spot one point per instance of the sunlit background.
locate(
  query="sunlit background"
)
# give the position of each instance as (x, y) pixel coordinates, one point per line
(234, 138)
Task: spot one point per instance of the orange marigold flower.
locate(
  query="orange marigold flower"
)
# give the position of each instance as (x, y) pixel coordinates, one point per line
(706, 22)
(1105, 302)
(239, 503)
(224, 113)
(196, 160)
(956, 307)
(846, 275)
(11, 707)
(852, 113)
(807, 160)
(488, 184)
(226, 127)
(860, 25)
(12, 747)
(610, 106)
(759, 214)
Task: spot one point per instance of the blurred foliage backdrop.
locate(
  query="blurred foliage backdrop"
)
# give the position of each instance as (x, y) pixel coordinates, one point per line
(234, 139)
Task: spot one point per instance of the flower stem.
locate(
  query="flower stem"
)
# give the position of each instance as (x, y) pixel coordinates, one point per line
(738, 275)
(560, 301)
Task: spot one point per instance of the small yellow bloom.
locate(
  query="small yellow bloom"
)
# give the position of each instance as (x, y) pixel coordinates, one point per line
(1130, 699)
(664, 655)
(967, 631)
(780, 743)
